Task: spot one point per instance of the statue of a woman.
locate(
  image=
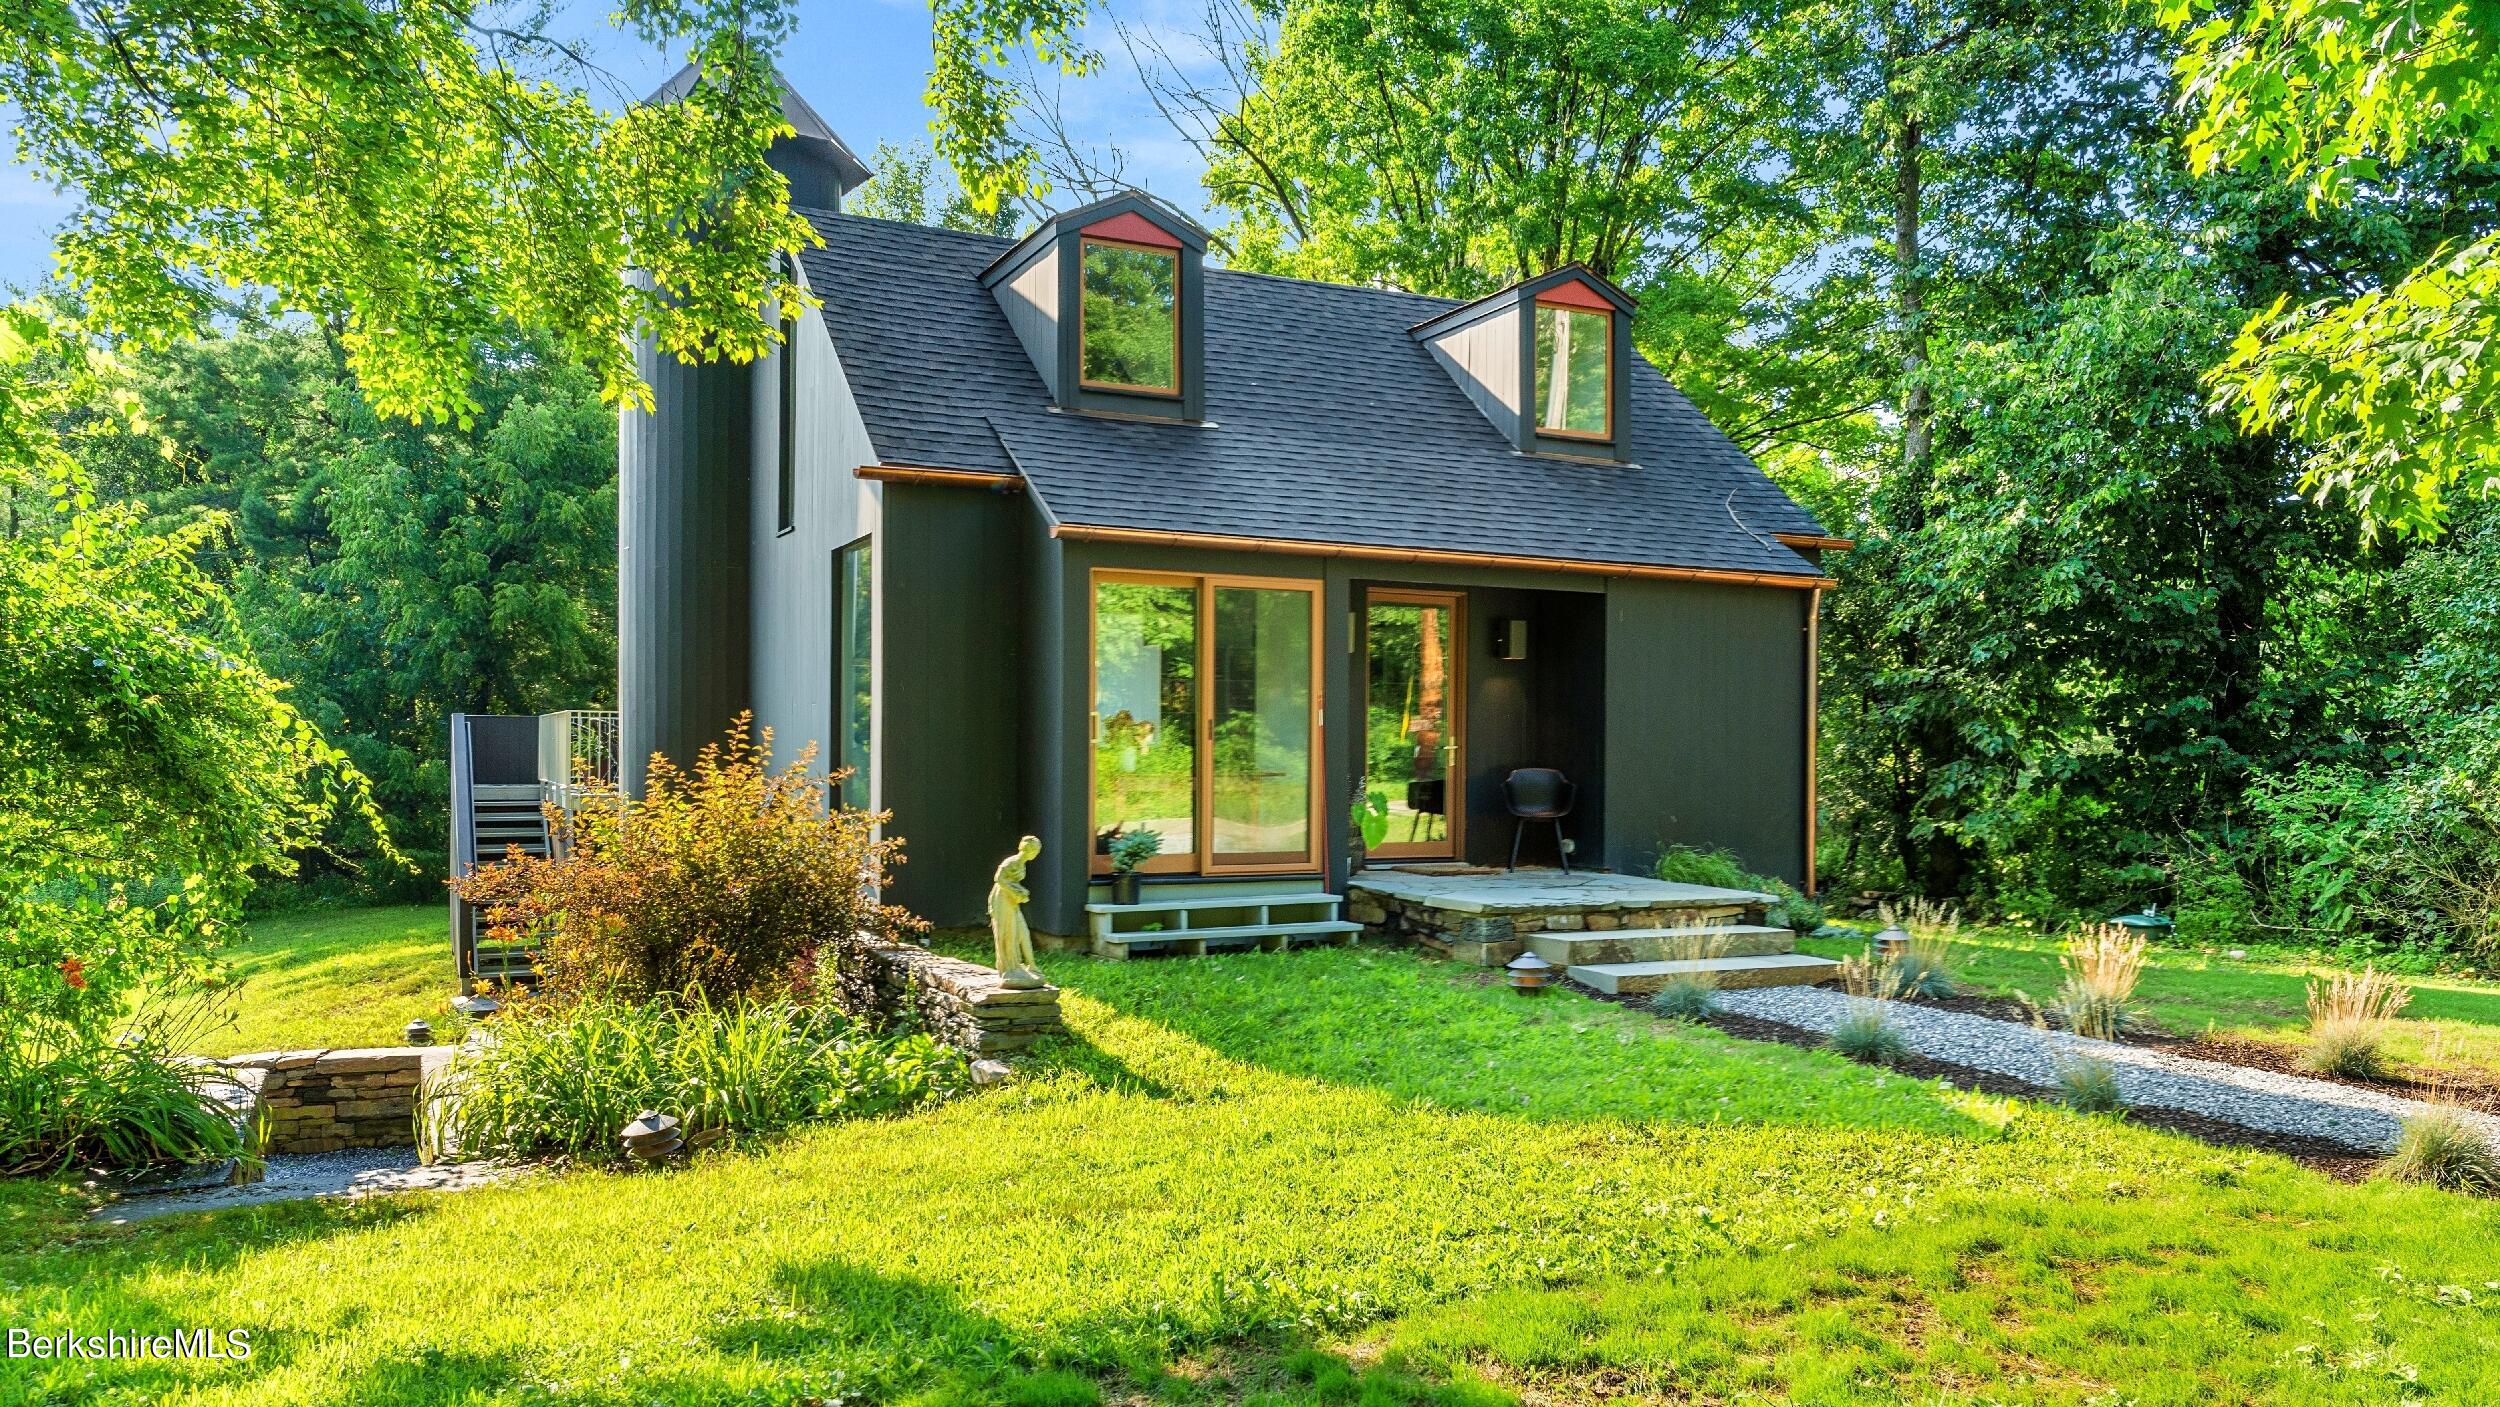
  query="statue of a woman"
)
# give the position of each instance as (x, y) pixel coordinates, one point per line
(1011, 940)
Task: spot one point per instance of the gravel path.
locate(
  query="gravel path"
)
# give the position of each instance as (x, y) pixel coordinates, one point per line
(357, 1172)
(2256, 1099)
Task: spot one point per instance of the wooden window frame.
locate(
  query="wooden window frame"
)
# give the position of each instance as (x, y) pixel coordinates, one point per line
(1202, 859)
(1455, 789)
(1605, 436)
(1173, 391)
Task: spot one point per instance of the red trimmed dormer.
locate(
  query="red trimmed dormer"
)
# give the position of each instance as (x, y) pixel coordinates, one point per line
(1547, 361)
(1107, 300)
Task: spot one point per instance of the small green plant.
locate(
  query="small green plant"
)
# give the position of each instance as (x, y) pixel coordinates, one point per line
(1925, 968)
(2349, 1014)
(1369, 815)
(2440, 1149)
(2089, 1085)
(2102, 965)
(1684, 998)
(1867, 1035)
(1717, 869)
(1130, 850)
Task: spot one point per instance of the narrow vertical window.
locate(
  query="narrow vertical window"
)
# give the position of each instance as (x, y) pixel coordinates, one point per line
(1574, 365)
(1129, 321)
(854, 669)
(787, 487)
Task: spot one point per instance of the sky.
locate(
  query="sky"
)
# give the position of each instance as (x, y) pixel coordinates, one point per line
(860, 63)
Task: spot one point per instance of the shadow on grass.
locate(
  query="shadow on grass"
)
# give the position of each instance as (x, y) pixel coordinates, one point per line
(1451, 1036)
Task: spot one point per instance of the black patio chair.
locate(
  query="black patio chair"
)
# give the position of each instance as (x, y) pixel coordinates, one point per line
(1539, 794)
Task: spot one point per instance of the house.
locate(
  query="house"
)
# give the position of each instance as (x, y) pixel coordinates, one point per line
(1075, 534)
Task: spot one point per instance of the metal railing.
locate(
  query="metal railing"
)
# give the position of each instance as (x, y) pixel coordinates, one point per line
(577, 754)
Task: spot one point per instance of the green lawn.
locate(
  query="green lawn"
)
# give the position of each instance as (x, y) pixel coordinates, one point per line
(2261, 997)
(1333, 1177)
(332, 978)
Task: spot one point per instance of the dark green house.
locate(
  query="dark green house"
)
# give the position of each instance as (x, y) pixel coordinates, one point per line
(1073, 534)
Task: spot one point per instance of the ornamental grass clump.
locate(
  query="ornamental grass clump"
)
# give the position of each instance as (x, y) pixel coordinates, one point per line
(2102, 965)
(1866, 1033)
(2089, 1085)
(2349, 1016)
(2439, 1148)
(1689, 995)
(1925, 968)
(560, 1079)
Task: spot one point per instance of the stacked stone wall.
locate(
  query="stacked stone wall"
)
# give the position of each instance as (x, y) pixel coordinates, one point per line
(964, 1004)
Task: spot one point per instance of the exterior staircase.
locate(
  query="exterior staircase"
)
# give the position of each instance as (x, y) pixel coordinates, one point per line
(1201, 923)
(505, 771)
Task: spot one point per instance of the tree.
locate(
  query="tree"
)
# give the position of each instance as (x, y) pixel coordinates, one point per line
(418, 176)
(909, 187)
(2396, 385)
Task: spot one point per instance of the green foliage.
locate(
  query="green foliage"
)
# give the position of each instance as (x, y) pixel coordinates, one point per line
(419, 179)
(1718, 869)
(1684, 999)
(564, 1078)
(2442, 1150)
(909, 186)
(1868, 1036)
(394, 573)
(734, 878)
(70, 1098)
(1130, 850)
(2089, 1085)
(2396, 388)
(975, 101)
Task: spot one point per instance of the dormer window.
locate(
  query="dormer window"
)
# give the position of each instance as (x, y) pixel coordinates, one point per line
(1109, 301)
(1130, 328)
(1574, 371)
(1546, 360)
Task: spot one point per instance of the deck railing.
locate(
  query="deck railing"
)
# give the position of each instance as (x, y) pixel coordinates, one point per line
(577, 753)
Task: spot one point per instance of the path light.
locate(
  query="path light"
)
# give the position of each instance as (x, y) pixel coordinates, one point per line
(652, 1136)
(1529, 973)
(419, 1032)
(1892, 942)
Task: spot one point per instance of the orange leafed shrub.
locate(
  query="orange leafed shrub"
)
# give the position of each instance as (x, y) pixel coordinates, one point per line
(732, 879)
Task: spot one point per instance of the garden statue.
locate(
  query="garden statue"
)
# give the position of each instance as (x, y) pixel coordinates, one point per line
(1011, 940)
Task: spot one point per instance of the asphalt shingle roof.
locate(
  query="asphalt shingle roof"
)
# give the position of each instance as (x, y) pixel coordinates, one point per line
(1327, 423)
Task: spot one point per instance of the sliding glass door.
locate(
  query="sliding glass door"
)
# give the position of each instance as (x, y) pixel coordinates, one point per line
(1206, 720)
(1413, 726)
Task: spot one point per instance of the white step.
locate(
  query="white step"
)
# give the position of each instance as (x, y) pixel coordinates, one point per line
(1732, 940)
(1773, 970)
(1270, 936)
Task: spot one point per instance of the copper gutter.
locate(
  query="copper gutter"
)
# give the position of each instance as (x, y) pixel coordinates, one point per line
(1811, 540)
(1290, 546)
(943, 478)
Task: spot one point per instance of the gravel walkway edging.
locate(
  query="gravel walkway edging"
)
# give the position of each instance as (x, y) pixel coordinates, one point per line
(2256, 1099)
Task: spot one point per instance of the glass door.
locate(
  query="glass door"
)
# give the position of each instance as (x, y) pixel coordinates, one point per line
(1414, 734)
(1206, 720)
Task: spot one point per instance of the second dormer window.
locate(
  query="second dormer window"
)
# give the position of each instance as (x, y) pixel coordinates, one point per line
(1131, 317)
(1574, 364)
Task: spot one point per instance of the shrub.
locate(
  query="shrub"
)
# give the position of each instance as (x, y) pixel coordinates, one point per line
(1684, 998)
(1132, 849)
(1866, 1034)
(563, 1078)
(2101, 964)
(2348, 1019)
(733, 879)
(2439, 1148)
(2089, 1085)
(1718, 869)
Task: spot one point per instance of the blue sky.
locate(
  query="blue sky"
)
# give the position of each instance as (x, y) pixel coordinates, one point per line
(861, 63)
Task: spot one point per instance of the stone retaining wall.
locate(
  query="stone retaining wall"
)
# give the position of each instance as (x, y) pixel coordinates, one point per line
(965, 1004)
(320, 1101)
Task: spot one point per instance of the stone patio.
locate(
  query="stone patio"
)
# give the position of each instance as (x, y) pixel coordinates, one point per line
(1491, 916)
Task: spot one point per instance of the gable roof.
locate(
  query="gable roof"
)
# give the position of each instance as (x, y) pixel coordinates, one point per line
(1327, 423)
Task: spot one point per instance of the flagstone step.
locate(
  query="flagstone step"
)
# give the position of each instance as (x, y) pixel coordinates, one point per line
(1733, 940)
(1769, 970)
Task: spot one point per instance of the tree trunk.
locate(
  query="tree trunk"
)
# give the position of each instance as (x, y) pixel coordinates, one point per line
(1910, 294)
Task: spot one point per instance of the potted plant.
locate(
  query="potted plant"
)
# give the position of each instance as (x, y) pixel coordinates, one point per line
(1130, 850)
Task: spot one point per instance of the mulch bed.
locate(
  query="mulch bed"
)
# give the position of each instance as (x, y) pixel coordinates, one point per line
(2336, 1160)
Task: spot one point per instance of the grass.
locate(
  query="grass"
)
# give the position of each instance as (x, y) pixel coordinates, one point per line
(337, 978)
(1329, 1176)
